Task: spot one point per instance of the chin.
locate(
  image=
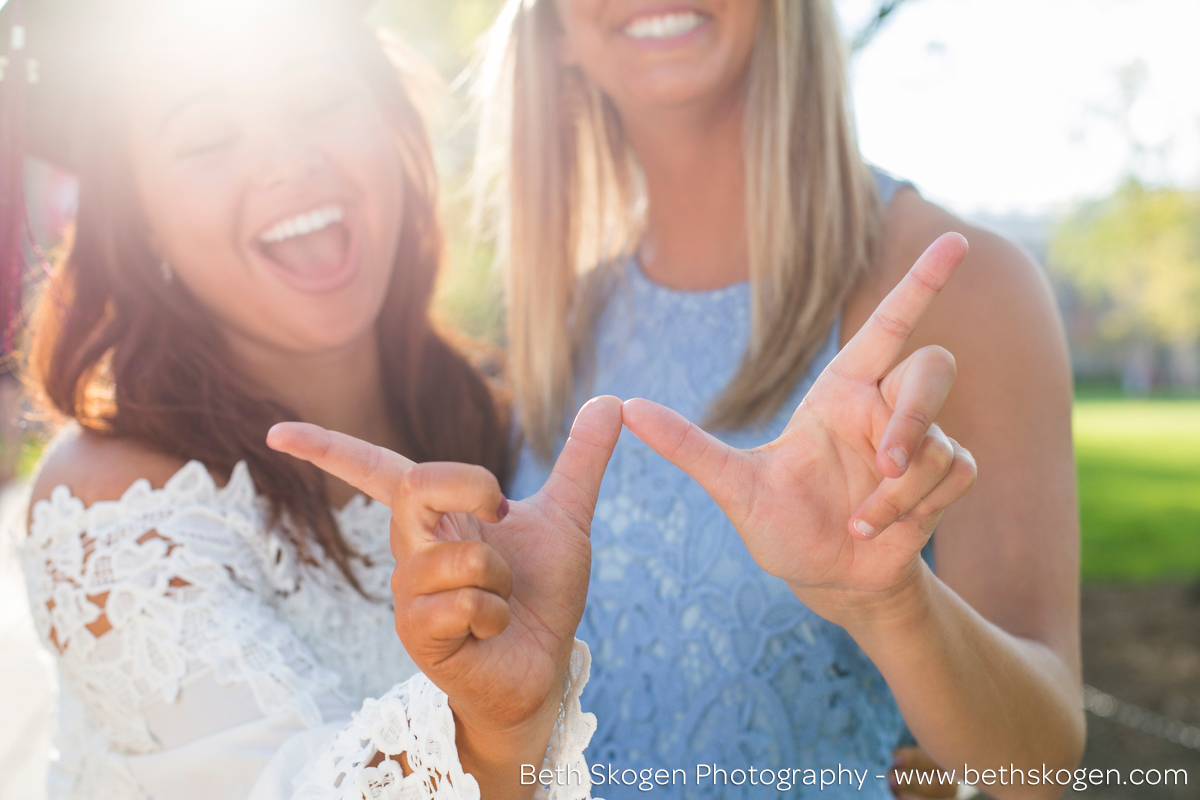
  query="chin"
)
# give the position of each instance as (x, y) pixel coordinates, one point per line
(673, 87)
(332, 328)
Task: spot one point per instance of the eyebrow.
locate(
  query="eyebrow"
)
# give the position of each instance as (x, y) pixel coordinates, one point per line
(183, 105)
(209, 96)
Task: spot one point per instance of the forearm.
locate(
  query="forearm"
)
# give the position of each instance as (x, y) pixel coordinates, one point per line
(495, 756)
(971, 693)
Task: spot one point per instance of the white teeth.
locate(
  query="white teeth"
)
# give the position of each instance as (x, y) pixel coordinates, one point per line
(664, 26)
(302, 224)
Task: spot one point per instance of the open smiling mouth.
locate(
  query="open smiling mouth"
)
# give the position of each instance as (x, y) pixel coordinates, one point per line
(659, 27)
(310, 250)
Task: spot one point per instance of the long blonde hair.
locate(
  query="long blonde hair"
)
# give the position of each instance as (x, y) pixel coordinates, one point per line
(557, 174)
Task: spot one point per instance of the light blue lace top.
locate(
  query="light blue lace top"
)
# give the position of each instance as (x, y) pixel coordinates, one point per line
(700, 657)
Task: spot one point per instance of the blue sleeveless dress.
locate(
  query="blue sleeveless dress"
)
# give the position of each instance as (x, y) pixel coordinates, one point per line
(700, 657)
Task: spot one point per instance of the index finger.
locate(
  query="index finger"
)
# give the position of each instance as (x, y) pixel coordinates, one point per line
(374, 471)
(874, 349)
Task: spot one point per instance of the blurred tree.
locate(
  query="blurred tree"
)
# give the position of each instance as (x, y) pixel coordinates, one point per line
(1135, 256)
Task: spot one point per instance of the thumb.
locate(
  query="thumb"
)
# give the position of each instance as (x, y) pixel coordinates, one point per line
(705, 458)
(575, 481)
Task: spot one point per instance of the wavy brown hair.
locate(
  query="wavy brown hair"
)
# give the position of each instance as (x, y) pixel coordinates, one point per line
(127, 355)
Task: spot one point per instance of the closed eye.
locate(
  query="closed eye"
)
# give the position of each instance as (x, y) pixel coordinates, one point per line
(210, 147)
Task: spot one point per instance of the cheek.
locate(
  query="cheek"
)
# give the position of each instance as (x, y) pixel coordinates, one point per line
(193, 217)
(578, 16)
(584, 42)
(743, 28)
(378, 170)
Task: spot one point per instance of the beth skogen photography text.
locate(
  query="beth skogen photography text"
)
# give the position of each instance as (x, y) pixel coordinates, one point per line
(905, 781)
(568, 399)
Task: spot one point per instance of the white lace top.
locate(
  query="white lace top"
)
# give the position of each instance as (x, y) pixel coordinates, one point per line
(199, 658)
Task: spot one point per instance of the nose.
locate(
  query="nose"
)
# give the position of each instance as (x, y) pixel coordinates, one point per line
(284, 158)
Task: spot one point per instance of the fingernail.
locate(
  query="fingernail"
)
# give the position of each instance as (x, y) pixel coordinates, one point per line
(898, 456)
(862, 527)
(502, 509)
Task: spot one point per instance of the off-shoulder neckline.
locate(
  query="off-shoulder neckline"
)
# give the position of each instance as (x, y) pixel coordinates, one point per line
(192, 483)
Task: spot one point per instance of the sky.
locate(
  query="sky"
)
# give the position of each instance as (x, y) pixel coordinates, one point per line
(1017, 106)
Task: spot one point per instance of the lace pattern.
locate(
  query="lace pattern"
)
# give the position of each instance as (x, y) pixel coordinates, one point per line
(701, 657)
(572, 732)
(415, 718)
(139, 594)
(143, 596)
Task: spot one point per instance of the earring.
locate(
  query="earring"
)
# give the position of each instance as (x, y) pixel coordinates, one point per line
(168, 274)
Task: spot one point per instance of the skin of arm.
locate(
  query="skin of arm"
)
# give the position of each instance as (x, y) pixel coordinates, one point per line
(490, 754)
(983, 656)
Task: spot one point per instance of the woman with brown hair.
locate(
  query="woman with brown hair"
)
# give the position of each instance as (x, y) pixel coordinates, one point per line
(684, 216)
(257, 241)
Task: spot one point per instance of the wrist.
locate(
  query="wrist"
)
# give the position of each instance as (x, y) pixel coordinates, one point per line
(494, 753)
(868, 614)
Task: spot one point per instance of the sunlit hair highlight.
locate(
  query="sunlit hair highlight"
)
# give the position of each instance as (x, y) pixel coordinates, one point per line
(556, 174)
(127, 355)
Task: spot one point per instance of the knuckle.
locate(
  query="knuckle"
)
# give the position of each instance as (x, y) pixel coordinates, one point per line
(471, 561)
(467, 603)
(965, 469)
(890, 506)
(374, 460)
(684, 437)
(486, 479)
(942, 454)
(942, 359)
(891, 325)
(918, 276)
(410, 485)
(917, 419)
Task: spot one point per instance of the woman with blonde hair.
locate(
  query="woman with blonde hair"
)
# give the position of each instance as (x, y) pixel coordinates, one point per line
(684, 216)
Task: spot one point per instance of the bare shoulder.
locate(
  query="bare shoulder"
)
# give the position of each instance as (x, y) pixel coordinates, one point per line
(999, 301)
(97, 468)
(996, 274)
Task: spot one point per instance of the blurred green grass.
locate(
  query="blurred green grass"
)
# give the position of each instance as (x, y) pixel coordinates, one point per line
(1139, 487)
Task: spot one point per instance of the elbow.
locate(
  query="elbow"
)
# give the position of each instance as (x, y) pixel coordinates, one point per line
(1077, 736)
(1069, 754)
(1064, 756)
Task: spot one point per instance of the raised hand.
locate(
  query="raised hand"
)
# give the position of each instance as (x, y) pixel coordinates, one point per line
(840, 505)
(488, 593)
